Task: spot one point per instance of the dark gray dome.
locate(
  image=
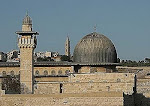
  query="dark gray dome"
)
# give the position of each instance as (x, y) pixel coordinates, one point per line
(95, 48)
(27, 20)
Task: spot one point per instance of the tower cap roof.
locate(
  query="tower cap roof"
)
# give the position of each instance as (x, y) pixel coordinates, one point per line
(27, 20)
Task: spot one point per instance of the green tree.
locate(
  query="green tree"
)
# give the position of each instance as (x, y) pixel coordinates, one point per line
(65, 58)
(11, 84)
(44, 59)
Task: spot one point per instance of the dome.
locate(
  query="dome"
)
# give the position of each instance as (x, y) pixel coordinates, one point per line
(27, 20)
(95, 48)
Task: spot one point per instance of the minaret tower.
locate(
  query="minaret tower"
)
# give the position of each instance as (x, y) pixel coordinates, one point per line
(67, 47)
(27, 43)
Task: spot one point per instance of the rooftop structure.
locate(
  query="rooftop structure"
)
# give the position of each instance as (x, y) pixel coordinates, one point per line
(95, 48)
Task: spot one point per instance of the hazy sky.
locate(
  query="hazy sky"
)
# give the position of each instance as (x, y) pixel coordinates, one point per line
(125, 22)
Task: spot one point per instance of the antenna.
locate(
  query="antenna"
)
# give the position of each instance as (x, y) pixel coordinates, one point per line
(27, 13)
(95, 27)
(67, 36)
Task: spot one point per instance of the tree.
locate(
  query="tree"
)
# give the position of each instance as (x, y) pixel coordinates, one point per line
(147, 60)
(11, 84)
(44, 59)
(131, 63)
(65, 58)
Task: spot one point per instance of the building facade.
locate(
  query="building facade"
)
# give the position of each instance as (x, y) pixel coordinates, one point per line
(91, 79)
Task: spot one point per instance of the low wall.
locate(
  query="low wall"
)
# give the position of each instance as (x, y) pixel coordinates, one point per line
(88, 99)
(143, 85)
(88, 87)
(103, 77)
(87, 83)
(46, 88)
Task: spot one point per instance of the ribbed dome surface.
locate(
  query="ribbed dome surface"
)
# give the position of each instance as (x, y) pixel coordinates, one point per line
(27, 20)
(95, 48)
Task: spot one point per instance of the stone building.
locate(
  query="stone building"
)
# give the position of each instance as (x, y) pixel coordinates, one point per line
(90, 80)
(3, 57)
(26, 43)
(12, 55)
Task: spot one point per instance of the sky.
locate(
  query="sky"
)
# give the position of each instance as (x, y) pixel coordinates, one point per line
(125, 22)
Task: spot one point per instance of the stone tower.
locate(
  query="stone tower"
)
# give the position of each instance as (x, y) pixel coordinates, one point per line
(27, 43)
(67, 47)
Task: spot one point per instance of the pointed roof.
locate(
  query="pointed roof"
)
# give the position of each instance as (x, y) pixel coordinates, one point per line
(67, 38)
(27, 20)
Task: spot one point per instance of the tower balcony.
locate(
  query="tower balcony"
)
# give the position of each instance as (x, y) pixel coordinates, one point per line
(27, 42)
(27, 33)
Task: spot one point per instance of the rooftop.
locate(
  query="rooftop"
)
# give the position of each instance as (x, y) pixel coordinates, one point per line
(53, 63)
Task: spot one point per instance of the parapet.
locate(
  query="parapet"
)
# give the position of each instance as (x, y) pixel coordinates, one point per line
(103, 77)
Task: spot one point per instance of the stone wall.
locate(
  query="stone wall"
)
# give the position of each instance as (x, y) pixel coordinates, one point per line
(89, 99)
(89, 87)
(41, 70)
(103, 77)
(143, 85)
(87, 83)
(85, 69)
(51, 79)
(89, 69)
(46, 88)
(140, 71)
(55, 69)
(122, 82)
(143, 92)
(81, 87)
(9, 69)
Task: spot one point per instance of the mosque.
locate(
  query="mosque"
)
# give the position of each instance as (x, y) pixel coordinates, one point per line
(91, 79)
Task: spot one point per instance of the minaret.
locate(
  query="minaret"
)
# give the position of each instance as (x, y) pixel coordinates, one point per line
(27, 43)
(67, 47)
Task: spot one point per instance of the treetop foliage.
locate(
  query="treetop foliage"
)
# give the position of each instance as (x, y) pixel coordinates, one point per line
(131, 63)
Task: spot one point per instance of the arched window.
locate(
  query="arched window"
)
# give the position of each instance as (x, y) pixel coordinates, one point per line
(148, 74)
(67, 72)
(36, 73)
(12, 73)
(4, 73)
(118, 80)
(59, 72)
(53, 72)
(45, 72)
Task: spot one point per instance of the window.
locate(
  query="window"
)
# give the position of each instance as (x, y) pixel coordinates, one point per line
(118, 80)
(12, 73)
(67, 72)
(36, 73)
(148, 74)
(53, 72)
(61, 87)
(59, 72)
(45, 72)
(4, 73)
